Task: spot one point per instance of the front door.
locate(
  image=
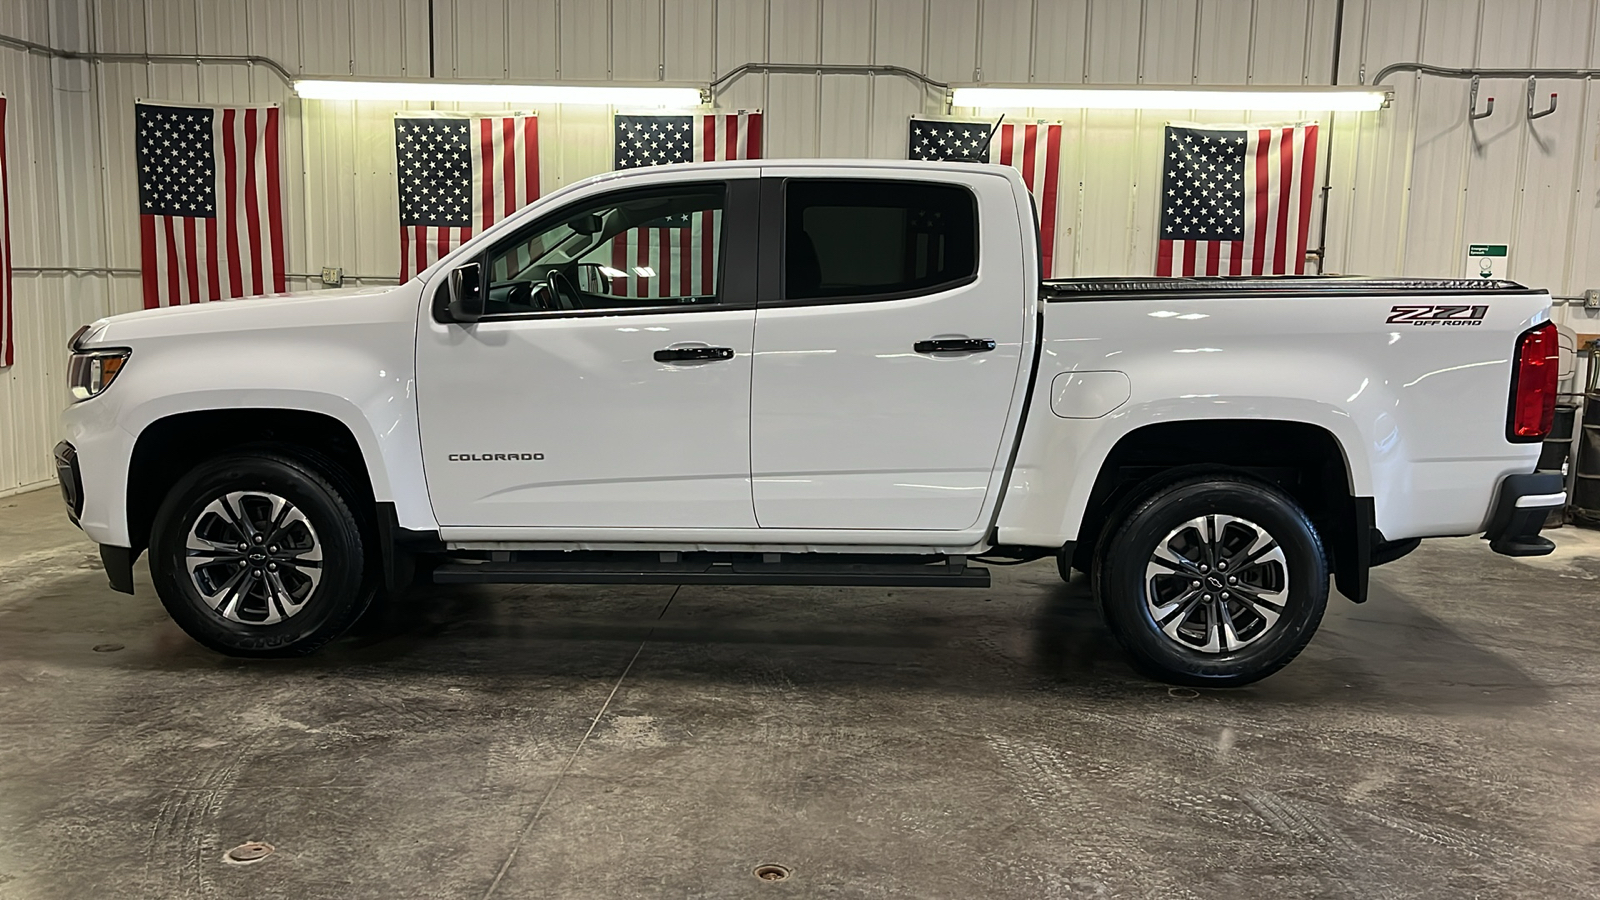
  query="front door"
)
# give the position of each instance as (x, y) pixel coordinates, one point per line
(887, 358)
(608, 383)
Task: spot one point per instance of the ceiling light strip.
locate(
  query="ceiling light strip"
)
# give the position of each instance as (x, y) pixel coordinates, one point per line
(465, 92)
(1175, 97)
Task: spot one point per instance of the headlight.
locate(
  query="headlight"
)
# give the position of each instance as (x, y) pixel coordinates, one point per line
(92, 371)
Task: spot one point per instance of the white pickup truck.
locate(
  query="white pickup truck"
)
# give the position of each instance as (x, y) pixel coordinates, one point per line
(829, 373)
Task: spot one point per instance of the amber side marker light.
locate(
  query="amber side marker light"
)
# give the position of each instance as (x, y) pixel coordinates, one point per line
(92, 371)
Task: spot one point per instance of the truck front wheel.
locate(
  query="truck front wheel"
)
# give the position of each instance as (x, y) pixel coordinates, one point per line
(1213, 581)
(257, 554)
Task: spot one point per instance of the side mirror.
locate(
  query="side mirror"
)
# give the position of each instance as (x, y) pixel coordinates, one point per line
(466, 294)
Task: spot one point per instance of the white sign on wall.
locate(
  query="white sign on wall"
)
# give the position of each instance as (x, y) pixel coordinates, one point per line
(1487, 260)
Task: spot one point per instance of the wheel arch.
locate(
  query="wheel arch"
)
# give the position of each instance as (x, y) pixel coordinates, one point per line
(1305, 460)
(169, 446)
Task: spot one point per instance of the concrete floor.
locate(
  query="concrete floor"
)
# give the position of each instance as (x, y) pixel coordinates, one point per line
(569, 742)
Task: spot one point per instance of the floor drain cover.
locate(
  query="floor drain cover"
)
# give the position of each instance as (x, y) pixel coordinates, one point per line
(1183, 693)
(107, 648)
(771, 872)
(244, 854)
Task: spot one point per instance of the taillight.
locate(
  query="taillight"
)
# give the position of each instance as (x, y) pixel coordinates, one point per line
(1533, 385)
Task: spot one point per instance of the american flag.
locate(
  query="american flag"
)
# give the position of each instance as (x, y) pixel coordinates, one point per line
(677, 256)
(458, 176)
(7, 350)
(210, 213)
(657, 139)
(1236, 201)
(1033, 148)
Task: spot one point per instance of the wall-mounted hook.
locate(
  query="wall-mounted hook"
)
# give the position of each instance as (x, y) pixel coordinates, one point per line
(1531, 90)
(1472, 103)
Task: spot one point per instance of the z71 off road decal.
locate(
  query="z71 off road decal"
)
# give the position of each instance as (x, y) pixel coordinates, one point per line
(1437, 314)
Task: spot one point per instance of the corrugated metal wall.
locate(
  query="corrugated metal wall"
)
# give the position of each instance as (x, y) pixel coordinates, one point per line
(1411, 185)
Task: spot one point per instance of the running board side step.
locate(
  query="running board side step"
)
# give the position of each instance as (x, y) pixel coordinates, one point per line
(671, 572)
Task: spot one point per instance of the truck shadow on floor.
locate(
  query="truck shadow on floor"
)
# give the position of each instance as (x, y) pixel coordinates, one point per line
(1045, 636)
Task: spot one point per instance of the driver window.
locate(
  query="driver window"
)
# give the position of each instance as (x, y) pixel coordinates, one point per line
(641, 250)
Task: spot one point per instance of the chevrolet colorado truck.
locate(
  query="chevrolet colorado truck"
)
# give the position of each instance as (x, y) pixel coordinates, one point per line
(820, 373)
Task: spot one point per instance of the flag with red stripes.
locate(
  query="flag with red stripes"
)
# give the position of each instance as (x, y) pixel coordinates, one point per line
(459, 175)
(1236, 201)
(210, 206)
(7, 298)
(676, 256)
(1032, 148)
(657, 139)
(673, 257)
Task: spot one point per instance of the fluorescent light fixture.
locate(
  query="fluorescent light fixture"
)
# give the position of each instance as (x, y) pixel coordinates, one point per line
(1338, 99)
(464, 92)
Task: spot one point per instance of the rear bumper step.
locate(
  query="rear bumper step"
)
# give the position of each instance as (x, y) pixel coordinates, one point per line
(714, 573)
(1524, 502)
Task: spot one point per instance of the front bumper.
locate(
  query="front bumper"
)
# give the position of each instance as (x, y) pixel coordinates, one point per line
(1520, 510)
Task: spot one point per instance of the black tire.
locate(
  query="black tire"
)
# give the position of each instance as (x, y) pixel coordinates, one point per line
(324, 609)
(1129, 542)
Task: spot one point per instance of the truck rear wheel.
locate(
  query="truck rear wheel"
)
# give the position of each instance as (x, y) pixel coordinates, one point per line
(1213, 581)
(257, 554)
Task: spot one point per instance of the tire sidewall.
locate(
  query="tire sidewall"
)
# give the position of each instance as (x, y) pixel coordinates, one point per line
(332, 606)
(1121, 580)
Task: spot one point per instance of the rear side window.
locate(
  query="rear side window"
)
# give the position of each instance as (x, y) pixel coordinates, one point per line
(860, 239)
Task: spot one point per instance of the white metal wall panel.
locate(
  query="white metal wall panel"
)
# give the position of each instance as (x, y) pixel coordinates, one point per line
(796, 131)
(848, 31)
(585, 40)
(117, 25)
(535, 40)
(1005, 30)
(1224, 42)
(794, 31)
(1167, 45)
(171, 26)
(1279, 43)
(1060, 41)
(1113, 47)
(899, 34)
(482, 41)
(846, 123)
(389, 38)
(951, 29)
(636, 40)
(325, 36)
(275, 32)
(691, 40)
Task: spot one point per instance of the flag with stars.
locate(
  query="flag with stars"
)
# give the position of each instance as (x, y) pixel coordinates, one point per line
(1033, 148)
(459, 175)
(210, 207)
(1236, 201)
(657, 139)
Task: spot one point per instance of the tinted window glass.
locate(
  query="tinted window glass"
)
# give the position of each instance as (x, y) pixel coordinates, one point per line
(639, 250)
(866, 238)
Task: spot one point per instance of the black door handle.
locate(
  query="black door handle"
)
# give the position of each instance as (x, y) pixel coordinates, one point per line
(693, 354)
(954, 345)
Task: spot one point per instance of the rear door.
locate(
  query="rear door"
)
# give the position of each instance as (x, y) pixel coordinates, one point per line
(889, 348)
